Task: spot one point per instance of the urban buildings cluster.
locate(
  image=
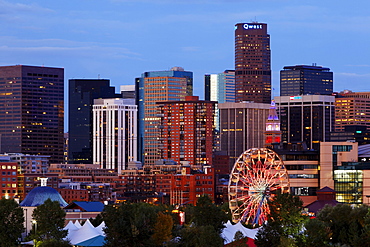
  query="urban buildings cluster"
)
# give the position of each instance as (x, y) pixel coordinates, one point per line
(155, 141)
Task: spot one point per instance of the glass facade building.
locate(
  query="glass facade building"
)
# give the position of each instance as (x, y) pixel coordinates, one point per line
(242, 126)
(305, 80)
(220, 88)
(252, 63)
(152, 87)
(32, 111)
(82, 93)
(306, 119)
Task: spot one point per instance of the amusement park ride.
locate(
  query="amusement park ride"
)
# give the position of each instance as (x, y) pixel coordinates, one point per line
(257, 176)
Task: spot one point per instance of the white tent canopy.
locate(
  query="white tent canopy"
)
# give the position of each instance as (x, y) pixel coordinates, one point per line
(100, 228)
(86, 232)
(229, 231)
(77, 224)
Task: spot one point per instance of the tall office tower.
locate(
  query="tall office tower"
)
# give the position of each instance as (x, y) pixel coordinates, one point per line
(305, 79)
(82, 93)
(252, 63)
(32, 111)
(221, 88)
(127, 91)
(242, 127)
(151, 88)
(306, 119)
(352, 108)
(187, 131)
(115, 133)
(273, 132)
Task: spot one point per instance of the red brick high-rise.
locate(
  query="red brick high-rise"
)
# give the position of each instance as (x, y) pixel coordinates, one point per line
(252, 63)
(187, 131)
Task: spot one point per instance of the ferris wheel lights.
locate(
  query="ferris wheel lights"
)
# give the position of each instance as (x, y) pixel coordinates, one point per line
(256, 176)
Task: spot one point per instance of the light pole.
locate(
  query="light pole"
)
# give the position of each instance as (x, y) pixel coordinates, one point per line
(34, 237)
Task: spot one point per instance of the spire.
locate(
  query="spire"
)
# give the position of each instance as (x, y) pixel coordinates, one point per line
(272, 133)
(272, 112)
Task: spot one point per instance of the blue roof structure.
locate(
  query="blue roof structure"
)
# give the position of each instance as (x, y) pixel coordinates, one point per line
(95, 241)
(87, 206)
(39, 195)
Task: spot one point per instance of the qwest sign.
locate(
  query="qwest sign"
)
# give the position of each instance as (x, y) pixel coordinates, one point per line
(252, 26)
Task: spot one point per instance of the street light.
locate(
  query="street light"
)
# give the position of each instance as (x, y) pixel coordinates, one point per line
(368, 198)
(34, 237)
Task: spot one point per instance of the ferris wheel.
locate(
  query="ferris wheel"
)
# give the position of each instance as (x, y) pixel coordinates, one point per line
(258, 174)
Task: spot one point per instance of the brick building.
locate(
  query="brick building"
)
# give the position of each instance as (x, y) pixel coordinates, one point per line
(187, 131)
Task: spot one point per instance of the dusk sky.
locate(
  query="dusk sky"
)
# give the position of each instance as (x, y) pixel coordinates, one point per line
(120, 39)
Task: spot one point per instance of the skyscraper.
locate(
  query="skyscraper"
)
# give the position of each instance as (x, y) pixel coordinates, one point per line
(242, 127)
(187, 131)
(307, 119)
(32, 111)
(115, 133)
(304, 79)
(82, 93)
(220, 88)
(151, 88)
(252, 63)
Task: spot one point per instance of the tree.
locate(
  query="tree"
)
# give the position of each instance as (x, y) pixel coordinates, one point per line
(284, 222)
(50, 219)
(162, 229)
(199, 236)
(206, 213)
(238, 235)
(97, 220)
(130, 224)
(54, 243)
(317, 233)
(347, 224)
(11, 222)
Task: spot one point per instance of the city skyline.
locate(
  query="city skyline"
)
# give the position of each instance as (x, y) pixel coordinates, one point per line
(120, 39)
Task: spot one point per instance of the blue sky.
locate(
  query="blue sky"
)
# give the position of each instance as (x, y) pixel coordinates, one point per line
(120, 39)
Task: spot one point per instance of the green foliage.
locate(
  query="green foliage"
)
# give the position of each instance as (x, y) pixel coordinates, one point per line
(97, 220)
(317, 233)
(206, 213)
(284, 224)
(226, 209)
(200, 236)
(130, 224)
(204, 223)
(50, 219)
(11, 222)
(141, 224)
(54, 243)
(238, 235)
(162, 229)
(348, 225)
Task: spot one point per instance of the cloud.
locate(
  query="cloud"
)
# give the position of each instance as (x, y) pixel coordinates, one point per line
(65, 48)
(352, 74)
(8, 8)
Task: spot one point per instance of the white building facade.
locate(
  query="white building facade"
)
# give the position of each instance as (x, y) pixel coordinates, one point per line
(114, 133)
